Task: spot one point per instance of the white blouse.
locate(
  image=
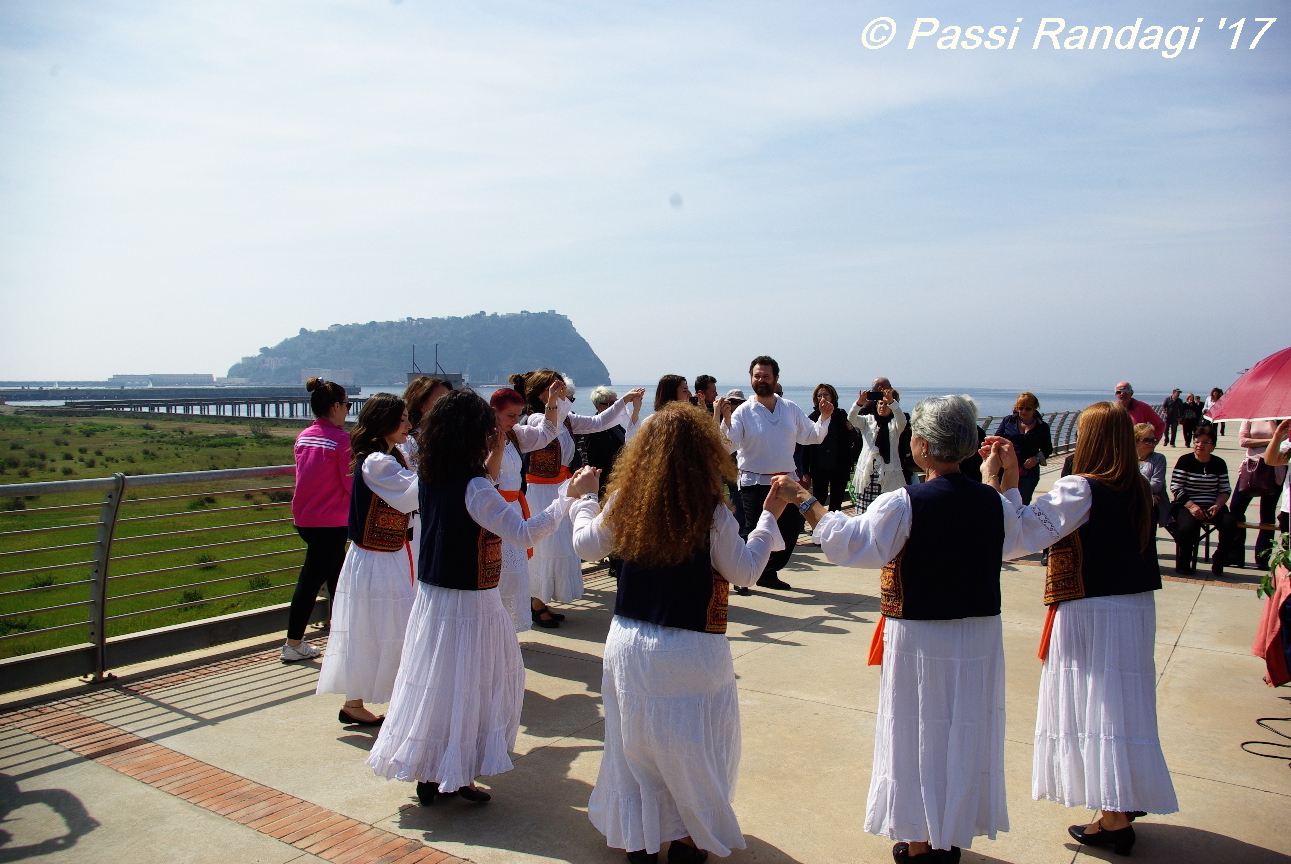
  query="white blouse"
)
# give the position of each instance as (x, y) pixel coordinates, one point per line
(740, 562)
(579, 424)
(531, 437)
(393, 483)
(874, 538)
(490, 510)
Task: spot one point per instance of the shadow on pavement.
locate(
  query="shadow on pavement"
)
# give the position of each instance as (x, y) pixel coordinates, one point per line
(66, 805)
(1174, 844)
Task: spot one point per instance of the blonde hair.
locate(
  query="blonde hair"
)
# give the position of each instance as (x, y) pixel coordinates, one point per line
(1106, 452)
(667, 481)
(1144, 429)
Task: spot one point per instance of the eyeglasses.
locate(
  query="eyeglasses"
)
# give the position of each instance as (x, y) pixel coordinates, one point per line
(1119, 392)
(1202, 442)
(1146, 440)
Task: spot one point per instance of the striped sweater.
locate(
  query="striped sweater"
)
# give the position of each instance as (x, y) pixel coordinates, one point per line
(1197, 481)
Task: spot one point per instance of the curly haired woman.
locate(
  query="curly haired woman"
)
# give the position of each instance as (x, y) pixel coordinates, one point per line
(672, 716)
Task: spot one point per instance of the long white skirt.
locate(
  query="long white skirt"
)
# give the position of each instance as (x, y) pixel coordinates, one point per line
(939, 741)
(374, 595)
(672, 740)
(1096, 743)
(513, 584)
(456, 706)
(555, 570)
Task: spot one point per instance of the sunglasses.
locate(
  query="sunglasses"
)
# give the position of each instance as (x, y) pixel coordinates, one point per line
(1119, 392)
(1146, 440)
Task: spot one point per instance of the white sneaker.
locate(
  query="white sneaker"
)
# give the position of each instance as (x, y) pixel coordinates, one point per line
(303, 651)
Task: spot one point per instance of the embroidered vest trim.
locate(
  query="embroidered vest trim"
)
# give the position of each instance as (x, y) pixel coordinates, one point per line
(891, 592)
(1065, 578)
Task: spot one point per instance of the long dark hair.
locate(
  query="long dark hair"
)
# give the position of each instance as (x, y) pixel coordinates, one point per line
(380, 416)
(667, 390)
(455, 437)
(417, 391)
(323, 395)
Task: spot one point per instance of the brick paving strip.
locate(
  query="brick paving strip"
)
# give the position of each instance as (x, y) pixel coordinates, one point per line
(316, 830)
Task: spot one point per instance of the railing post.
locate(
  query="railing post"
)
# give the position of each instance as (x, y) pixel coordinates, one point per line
(99, 574)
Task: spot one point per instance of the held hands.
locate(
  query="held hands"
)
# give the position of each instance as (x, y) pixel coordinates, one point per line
(634, 396)
(586, 479)
(997, 455)
(774, 504)
(788, 490)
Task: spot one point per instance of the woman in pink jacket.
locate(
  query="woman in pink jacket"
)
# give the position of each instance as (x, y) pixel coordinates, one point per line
(320, 508)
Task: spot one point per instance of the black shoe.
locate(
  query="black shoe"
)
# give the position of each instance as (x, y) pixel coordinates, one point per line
(684, 853)
(774, 582)
(1121, 841)
(426, 793)
(474, 795)
(949, 856)
(550, 622)
(643, 857)
(743, 591)
(347, 720)
(901, 855)
(1135, 814)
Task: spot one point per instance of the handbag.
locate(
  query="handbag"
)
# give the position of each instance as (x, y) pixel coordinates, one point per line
(1258, 478)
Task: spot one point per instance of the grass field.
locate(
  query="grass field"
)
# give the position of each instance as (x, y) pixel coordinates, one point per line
(201, 549)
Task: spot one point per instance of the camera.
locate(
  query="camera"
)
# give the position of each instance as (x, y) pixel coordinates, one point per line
(873, 395)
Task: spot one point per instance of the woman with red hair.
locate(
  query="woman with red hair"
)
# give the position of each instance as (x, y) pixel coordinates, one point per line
(505, 466)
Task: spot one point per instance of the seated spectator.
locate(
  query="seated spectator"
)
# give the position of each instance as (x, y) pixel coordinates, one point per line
(1152, 466)
(1031, 440)
(1201, 490)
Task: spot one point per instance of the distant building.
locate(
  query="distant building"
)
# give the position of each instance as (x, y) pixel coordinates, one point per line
(226, 382)
(344, 377)
(181, 380)
(130, 381)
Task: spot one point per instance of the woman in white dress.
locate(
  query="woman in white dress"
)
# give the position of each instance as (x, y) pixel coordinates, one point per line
(555, 572)
(1096, 741)
(878, 468)
(938, 775)
(375, 590)
(455, 711)
(520, 438)
(672, 717)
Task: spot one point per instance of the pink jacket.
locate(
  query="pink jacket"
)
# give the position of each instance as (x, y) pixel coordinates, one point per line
(323, 480)
(1142, 412)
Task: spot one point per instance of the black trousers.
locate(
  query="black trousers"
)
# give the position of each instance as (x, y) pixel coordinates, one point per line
(324, 555)
(1171, 431)
(1187, 535)
(790, 523)
(1189, 427)
(830, 487)
(1264, 540)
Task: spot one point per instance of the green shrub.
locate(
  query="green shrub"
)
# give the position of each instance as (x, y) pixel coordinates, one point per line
(68, 470)
(279, 495)
(42, 581)
(258, 583)
(60, 442)
(82, 449)
(192, 596)
(15, 625)
(68, 457)
(207, 560)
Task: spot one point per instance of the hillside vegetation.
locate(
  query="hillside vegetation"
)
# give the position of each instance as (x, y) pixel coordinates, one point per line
(486, 347)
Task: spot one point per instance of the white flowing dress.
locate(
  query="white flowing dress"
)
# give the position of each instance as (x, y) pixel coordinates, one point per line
(374, 595)
(555, 571)
(672, 714)
(938, 774)
(455, 711)
(514, 582)
(1096, 740)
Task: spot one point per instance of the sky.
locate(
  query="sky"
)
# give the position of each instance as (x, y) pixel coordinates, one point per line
(692, 183)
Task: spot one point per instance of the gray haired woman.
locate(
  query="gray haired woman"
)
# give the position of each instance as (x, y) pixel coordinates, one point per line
(938, 776)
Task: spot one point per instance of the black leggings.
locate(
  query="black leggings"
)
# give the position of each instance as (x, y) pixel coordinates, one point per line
(1187, 536)
(1264, 540)
(790, 524)
(324, 555)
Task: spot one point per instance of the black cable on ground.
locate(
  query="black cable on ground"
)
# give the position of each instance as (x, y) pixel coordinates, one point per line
(1263, 723)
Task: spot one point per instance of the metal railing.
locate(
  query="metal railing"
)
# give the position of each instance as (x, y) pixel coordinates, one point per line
(140, 580)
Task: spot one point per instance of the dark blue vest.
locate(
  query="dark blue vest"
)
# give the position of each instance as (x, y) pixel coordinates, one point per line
(1102, 558)
(375, 525)
(950, 565)
(689, 596)
(456, 552)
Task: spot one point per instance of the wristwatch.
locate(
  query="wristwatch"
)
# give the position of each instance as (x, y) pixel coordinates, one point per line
(806, 505)
(589, 496)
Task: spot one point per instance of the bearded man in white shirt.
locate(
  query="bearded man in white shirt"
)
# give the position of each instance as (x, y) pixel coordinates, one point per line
(763, 433)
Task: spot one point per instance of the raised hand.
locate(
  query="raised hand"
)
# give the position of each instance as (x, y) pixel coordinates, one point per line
(786, 488)
(554, 391)
(826, 408)
(634, 396)
(586, 479)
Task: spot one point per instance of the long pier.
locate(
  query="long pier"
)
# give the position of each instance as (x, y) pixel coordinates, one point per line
(241, 406)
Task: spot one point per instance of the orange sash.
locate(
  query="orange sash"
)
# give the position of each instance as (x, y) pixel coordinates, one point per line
(412, 569)
(876, 643)
(1047, 632)
(517, 495)
(563, 475)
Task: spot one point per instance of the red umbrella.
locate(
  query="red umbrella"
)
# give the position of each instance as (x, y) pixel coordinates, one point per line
(1262, 393)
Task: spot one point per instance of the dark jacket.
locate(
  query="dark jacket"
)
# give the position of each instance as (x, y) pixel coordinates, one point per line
(1036, 442)
(837, 452)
